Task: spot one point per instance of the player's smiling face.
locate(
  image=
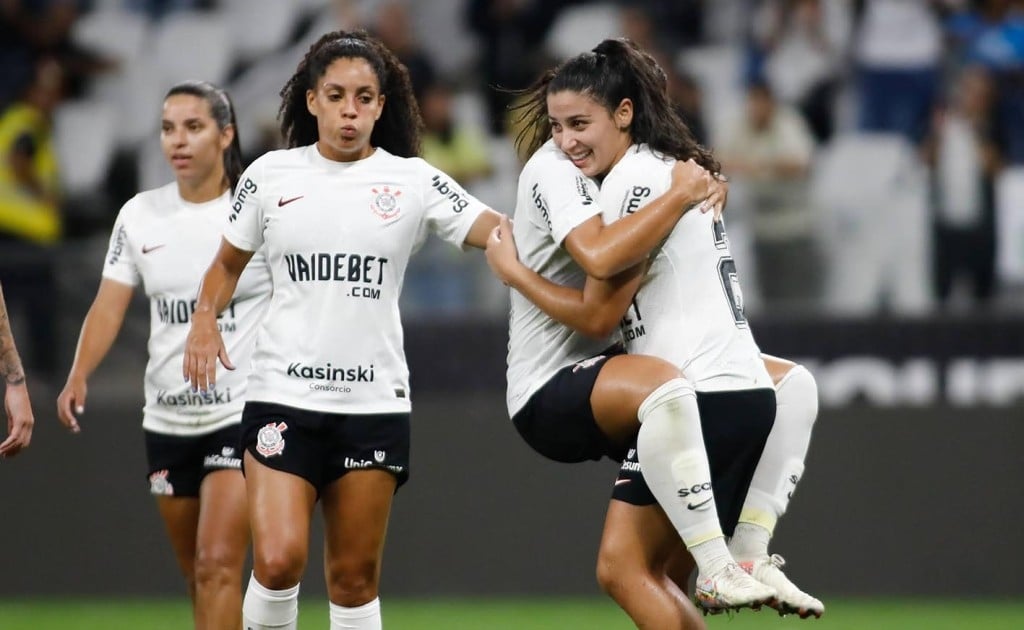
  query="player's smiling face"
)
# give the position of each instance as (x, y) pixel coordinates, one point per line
(591, 136)
(190, 139)
(347, 101)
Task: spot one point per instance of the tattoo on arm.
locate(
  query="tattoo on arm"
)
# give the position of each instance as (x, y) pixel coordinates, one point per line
(10, 363)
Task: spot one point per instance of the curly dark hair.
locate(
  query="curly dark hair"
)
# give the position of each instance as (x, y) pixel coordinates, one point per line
(614, 70)
(400, 126)
(222, 110)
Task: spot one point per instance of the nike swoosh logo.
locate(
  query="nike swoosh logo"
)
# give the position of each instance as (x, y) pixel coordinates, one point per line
(284, 202)
(619, 482)
(697, 506)
(146, 250)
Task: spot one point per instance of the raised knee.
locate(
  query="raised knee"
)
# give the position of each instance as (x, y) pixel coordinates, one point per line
(799, 388)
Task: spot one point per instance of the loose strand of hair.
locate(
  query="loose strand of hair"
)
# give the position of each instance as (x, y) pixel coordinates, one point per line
(531, 115)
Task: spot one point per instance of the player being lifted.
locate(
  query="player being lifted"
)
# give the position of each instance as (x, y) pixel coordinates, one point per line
(609, 117)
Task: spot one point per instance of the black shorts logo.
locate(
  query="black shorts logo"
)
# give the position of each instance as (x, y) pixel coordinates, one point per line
(269, 441)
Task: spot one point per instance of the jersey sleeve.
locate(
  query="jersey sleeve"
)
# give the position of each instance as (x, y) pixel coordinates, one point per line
(245, 222)
(450, 211)
(120, 264)
(637, 180)
(565, 193)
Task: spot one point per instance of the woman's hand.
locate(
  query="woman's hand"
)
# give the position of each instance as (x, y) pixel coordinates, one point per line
(696, 185)
(19, 420)
(203, 347)
(718, 196)
(501, 252)
(71, 402)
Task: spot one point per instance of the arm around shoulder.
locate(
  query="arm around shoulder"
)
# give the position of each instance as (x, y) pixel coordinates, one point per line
(606, 250)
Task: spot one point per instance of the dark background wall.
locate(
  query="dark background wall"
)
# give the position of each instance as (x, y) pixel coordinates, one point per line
(899, 498)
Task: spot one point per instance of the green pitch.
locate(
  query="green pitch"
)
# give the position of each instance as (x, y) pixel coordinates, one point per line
(525, 614)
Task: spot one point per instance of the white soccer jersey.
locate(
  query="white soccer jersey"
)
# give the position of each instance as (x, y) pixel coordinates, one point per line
(338, 236)
(689, 309)
(552, 199)
(166, 244)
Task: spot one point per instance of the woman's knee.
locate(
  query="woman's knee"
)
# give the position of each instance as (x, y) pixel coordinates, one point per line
(279, 567)
(352, 582)
(219, 562)
(616, 569)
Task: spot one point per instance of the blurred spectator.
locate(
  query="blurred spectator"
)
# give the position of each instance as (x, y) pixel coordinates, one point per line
(768, 152)
(965, 161)
(898, 51)
(663, 24)
(988, 33)
(392, 25)
(686, 96)
(871, 193)
(30, 218)
(991, 34)
(34, 29)
(639, 26)
(511, 33)
(439, 279)
(455, 148)
(802, 47)
(156, 9)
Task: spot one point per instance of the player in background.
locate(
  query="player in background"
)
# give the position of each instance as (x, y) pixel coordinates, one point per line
(17, 406)
(326, 418)
(601, 107)
(160, 241)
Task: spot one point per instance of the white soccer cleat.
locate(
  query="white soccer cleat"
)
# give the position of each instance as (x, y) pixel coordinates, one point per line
(730, 588)
(788, 598)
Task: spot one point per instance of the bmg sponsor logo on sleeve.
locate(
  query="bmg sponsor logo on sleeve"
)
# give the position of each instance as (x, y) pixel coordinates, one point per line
(454, 194)
(117, 247)
(247, 189)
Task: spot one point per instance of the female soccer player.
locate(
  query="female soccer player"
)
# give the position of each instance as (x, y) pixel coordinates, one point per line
(160, 240)
(597, 107)
(327, 413)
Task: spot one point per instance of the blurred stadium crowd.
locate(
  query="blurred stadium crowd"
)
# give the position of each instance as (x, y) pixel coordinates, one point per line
(875, 147)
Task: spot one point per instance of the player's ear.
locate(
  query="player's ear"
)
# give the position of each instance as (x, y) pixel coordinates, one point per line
(623, 114)
(227, 136)
(311, 105)
(380, 106)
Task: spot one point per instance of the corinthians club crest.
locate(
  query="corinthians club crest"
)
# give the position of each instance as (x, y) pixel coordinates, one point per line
(269, 441)
(385, 202)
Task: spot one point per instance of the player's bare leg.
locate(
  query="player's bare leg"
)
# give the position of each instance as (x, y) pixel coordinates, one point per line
(356, 511)
(221, 545)
(635, 548)
(670, 447)
(181, 521)
(280, 511)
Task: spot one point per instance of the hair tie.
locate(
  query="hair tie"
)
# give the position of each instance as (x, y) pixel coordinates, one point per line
(349, 41)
